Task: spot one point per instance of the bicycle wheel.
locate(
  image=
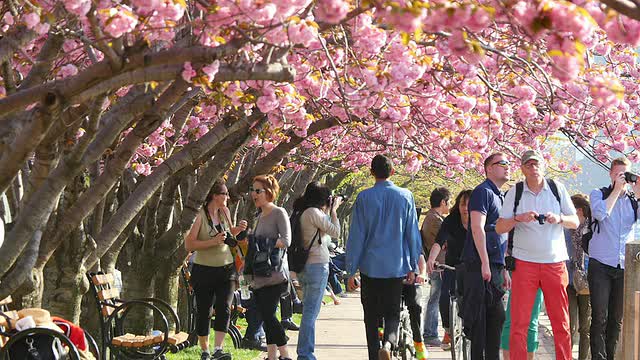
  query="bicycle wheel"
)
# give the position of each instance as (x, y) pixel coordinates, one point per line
(466, 346)
(457, 336)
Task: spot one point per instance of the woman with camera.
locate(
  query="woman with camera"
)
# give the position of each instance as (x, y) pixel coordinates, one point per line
(213, 273)
(318, 224)
(272, 223)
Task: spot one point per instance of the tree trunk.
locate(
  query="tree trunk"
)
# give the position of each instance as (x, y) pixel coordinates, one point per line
(168, 286)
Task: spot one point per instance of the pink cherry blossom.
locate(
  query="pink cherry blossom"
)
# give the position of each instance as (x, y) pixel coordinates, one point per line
(78, 7)
(527, 111)
(210, 70)
(565, 67)
(143, 169)
(68, 70)
(31, 20)
(8, 18)
(331, 11)
(465, 103)
(302, 33)
(188, 72)
(118, 20)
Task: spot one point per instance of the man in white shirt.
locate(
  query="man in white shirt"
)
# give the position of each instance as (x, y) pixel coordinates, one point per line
(539, 250)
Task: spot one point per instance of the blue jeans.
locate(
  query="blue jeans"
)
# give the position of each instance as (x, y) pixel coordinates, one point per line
(430, 315)
(334, 282)
(255, 329)
(314, 280)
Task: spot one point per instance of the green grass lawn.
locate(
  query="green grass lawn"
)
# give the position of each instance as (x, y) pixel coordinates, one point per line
(193, 352)
(237, 354)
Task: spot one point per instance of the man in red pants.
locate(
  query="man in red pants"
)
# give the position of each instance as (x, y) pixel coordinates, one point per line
(537, 210)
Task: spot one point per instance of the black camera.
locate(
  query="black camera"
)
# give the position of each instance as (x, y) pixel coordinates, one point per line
(333, 198)
(630, 177)
(540, 219)
(342, 196)
(229, 239)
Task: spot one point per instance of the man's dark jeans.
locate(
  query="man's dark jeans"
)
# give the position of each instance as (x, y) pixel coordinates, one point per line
(448, 284)
(412, 295)
(380, 299)
(607, 304)
(487, 326)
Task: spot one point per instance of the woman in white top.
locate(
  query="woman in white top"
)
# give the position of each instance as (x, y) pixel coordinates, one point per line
(318, 227)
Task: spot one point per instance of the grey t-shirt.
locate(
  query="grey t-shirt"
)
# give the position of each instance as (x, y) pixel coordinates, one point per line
(274, 225)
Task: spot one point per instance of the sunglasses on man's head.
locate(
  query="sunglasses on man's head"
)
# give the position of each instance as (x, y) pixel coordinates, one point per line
(257, 191)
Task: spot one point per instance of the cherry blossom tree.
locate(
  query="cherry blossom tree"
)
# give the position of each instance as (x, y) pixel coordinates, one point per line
(116, 116)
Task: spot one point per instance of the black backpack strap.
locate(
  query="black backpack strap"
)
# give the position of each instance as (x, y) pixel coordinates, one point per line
(516, 202)
(606, 191)
(554, 189)
(317, 235)
(634, 205)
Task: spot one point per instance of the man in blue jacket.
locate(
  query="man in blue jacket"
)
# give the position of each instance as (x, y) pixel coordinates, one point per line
(385, 245)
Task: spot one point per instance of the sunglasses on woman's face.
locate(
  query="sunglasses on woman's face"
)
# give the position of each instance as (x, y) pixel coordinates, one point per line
(257, 191)
(223, 193)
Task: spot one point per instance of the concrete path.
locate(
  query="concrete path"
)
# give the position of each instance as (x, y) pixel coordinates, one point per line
(340, 334)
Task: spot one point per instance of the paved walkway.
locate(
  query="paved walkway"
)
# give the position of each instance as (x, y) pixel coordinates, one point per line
(340, 334)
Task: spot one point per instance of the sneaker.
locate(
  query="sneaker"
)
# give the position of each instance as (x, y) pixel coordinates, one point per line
(385, 352)
(343, 295)
(432, 341)
(421, 351)
(446, 342)
(253, 344)
(288, 324)
(205, 356)
(220, 355)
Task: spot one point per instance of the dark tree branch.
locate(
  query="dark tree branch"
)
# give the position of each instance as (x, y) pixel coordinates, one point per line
(276, 155)
(141, 195)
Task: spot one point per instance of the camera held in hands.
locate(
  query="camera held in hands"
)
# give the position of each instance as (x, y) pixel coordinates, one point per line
(229, 239)
(341, 196)
(540, 218)
(630, 177)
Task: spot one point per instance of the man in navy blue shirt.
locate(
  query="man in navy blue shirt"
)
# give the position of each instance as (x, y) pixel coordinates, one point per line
(385, 245)
(483, 257)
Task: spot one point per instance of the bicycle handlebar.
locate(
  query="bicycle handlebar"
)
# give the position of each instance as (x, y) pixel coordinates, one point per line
(444, 267)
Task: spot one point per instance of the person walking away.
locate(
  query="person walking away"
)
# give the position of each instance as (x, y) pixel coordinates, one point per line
(384, 244)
